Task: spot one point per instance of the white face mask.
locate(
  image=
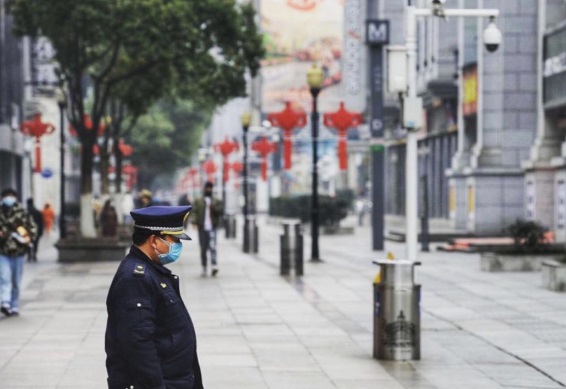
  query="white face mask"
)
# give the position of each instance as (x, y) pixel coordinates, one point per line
(9, 201)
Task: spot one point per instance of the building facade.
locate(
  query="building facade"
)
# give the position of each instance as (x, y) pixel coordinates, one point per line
(483, 113)
(545, 170)
(12, 152)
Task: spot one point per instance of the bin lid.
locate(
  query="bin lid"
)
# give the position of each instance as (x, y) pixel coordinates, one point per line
(396, 262)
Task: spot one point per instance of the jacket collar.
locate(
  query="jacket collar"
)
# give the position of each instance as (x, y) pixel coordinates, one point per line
(136, 252)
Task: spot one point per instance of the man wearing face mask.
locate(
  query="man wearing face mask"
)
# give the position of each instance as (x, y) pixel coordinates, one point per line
(17, 232)
(150, 337)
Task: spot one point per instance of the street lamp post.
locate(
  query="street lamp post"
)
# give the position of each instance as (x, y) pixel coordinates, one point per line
(412, 105)
(62, 103)
(246, 119)
(314, 79)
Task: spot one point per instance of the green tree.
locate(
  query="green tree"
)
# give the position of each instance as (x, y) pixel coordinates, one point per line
(166, 139)
(108, 43)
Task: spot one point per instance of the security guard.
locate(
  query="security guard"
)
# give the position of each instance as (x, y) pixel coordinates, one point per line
(150, 337)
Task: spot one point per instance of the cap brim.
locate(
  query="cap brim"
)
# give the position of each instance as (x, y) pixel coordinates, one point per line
(177, 234)
(183, 236)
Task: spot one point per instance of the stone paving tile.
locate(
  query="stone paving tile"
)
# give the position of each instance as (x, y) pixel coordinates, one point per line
(233, 377)
(297, 380)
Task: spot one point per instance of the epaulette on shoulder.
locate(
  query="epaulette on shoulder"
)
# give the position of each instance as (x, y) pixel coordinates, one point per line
(139, 270)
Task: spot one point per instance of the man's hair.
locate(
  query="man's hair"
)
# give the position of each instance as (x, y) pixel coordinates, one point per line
(208, 185)
(9, 192)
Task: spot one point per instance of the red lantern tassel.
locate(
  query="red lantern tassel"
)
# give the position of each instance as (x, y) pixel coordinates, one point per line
(226, 171)
(288, 149)
(37, 156)
(264, 168)
(342, 153)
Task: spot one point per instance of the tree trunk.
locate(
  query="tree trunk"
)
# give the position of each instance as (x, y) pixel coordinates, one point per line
(104, 165)
(119, 160)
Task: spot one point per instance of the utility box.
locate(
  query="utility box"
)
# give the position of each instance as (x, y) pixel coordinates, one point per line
(397, 316)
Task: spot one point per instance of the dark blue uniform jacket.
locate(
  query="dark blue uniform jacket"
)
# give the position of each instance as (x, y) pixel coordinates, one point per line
(150, 337)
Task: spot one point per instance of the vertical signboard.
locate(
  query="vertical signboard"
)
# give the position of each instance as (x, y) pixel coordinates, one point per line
(377, 35)
(470, 82)
(43, 76)
(354, 58)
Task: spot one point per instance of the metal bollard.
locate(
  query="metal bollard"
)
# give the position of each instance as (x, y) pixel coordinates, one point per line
(396, 319)
(251, 235)
(291, 248)
(230, 225)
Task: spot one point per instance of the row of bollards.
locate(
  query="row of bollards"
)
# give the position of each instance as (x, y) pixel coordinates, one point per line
(396, 295)
(230, 226)
(251, 236)
(291, 249)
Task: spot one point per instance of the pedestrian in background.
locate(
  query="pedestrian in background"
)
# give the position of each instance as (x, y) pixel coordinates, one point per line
(206, 216)
(150, 338)
(17, 232)
(37, 217)
(48, 218)
(128, 205)
(108, 219)
(145, 198)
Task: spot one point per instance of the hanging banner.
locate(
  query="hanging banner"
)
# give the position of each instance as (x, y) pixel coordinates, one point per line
(296, 34)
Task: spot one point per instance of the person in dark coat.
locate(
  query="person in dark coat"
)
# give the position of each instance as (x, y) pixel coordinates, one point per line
(207, 216)
(150, 338)
(109, 219)
(37, 217)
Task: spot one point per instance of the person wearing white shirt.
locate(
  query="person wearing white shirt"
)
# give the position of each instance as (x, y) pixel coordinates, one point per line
(206, 216)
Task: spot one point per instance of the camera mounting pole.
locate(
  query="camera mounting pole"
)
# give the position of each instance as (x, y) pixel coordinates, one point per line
(413, 107)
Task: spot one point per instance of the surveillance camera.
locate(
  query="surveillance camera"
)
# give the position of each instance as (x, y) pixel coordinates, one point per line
(438, 8)
(491, 37)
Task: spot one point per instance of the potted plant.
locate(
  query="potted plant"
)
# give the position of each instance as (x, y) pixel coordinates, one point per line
(531, 246)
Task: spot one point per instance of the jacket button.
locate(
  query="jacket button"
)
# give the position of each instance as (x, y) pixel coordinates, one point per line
(139, 305)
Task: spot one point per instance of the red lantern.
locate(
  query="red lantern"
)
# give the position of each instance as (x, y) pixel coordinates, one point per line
(87, 122)
(264, 148)
(237, 167)
(132, 173)
(37, 129)
(193, 173)
(125, 149)
(226, 148)
(209, 168)
(287, 120)
(341, 120)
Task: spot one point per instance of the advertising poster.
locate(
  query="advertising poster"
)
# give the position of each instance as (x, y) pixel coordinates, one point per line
(296, 34)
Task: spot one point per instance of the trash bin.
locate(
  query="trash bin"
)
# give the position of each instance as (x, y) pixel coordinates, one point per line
(396, 316)
(230, 225)
(291, 248)
(251, 241)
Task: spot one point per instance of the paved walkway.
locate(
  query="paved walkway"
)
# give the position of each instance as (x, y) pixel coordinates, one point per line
(259, 330)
